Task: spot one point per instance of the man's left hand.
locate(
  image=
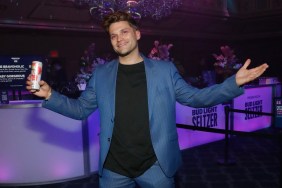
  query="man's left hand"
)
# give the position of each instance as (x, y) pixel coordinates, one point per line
(245, 75)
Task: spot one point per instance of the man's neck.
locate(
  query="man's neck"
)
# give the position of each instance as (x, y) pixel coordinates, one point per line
(130, 59)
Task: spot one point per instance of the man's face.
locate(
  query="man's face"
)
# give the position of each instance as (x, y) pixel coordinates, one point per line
(123, 38)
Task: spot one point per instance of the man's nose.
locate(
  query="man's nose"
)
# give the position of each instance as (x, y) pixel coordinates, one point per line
(119, 37)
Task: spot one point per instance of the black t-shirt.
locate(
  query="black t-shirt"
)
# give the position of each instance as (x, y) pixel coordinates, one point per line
(131, 152)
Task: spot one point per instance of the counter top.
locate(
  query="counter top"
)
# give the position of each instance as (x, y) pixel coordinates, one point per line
(22, 104)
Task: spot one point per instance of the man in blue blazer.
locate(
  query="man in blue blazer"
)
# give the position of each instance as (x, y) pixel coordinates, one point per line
(136, 98)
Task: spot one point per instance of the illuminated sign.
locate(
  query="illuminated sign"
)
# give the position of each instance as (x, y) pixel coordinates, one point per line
(257, 99)
(211, 117)
(14, 71)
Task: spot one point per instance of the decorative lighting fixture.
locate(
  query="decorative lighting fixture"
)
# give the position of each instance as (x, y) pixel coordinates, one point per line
(156, 9)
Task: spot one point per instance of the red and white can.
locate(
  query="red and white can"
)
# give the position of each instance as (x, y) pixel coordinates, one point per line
(36, 72)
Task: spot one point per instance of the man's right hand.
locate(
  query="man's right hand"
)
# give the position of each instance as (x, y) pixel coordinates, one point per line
(44, 90)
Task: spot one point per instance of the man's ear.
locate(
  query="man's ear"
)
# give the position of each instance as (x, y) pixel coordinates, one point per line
(138, 34)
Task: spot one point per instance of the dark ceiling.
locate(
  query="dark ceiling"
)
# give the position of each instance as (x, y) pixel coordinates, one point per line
(194, 18)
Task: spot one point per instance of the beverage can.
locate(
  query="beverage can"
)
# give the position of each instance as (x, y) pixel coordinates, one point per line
(36, 72)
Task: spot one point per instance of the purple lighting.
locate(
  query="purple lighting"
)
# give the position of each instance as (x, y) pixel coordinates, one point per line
(61, 169)
(4, 173)
(254, 99)
(203, 117)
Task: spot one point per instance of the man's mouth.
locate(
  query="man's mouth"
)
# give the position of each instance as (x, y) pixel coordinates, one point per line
(121, 45)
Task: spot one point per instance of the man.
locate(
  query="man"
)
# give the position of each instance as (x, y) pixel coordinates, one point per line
(136, 98)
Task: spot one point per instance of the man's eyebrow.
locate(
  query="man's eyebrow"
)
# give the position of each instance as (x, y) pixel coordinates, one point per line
(120, 31)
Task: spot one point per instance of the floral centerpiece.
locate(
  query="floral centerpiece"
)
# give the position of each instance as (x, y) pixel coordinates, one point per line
(160, 51)
(88, 62)
(226, 63)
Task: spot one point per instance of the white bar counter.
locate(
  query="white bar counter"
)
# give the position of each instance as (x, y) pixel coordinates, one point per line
(38, 146)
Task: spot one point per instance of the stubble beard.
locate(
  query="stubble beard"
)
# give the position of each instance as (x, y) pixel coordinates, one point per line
(126, 53)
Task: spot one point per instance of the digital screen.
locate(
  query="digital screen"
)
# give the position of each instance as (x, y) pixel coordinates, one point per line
(14, 71)
(278, 106)
(278, 112)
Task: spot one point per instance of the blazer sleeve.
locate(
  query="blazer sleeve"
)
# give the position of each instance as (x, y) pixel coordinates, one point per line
(209, 96)
(79, 108)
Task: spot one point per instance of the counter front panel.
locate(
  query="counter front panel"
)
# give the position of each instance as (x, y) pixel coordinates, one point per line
(38, 145)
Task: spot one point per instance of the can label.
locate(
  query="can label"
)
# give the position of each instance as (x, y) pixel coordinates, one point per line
(36, 71)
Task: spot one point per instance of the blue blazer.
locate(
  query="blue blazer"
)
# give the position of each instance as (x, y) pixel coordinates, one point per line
(164, 86)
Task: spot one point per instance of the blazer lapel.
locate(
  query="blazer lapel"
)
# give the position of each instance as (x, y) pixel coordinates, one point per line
(151, 83)
(111, 78)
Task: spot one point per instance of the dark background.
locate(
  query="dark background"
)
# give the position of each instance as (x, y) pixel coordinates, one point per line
(196, 29)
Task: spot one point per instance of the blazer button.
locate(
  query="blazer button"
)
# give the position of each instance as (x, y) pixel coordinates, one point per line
(109, 139)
